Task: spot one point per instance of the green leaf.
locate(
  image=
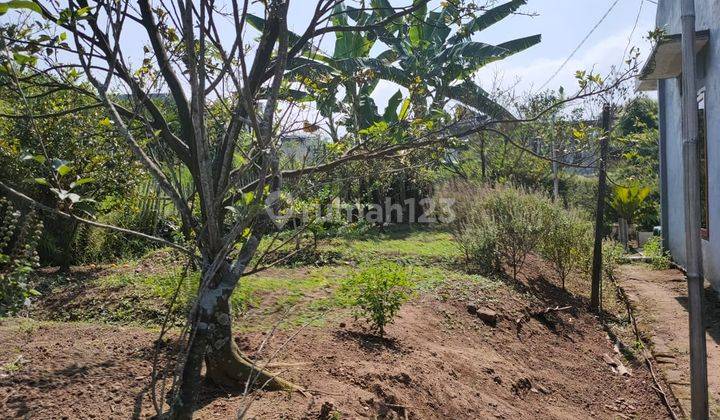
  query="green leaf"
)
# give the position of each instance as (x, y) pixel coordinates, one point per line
(83, 11)
(41, 181)
(472, 95)
(105, 122)
(391, 110)
(19, 4)
(37, 158)
(81, 181)
(24, 59)
(248, 197)
(348, 44)
(63, 170)
(487, 19)
(404, 109)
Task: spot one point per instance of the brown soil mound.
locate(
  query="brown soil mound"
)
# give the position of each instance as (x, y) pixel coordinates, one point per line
(438, 361)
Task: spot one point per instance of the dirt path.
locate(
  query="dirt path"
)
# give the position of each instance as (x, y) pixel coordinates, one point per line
(661, 297)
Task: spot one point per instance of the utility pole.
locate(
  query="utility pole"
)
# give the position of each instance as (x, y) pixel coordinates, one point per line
(600, 212)
(556, 181)
(691, 184)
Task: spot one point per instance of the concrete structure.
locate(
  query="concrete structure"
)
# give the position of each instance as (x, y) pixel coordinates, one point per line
(662, 72)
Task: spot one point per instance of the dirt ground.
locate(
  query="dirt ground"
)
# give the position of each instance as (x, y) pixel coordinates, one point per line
(661, 297)
(439, 361)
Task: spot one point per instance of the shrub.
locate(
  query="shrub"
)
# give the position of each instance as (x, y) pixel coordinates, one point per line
(580, 192)
(567, 242)
(521, 219)
(377, 293)
(18, 257)
(478, 239)
(612, 252)
(659, 258)
(498, 225)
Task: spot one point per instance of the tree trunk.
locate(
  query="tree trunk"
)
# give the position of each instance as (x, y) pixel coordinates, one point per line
(624, 233)
(67, 241)
(212, 342)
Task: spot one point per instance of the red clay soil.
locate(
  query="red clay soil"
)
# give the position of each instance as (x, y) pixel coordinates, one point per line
(439, 361)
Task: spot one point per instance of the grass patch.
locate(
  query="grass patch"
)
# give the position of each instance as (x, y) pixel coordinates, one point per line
(417, 245)
(138, 292)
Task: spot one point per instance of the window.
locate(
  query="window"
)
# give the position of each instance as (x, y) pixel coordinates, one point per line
(703, 166)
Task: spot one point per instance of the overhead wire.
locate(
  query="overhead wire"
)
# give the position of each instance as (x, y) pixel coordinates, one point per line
(572, 54)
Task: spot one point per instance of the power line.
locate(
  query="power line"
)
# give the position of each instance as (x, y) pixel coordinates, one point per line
(634, 28)
(572, 54)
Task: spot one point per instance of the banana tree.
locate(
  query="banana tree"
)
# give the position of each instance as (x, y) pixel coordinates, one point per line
(437, 57)
(431, 54)
(346, 73)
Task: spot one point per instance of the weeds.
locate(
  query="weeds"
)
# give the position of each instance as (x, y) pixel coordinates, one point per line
(659, 258)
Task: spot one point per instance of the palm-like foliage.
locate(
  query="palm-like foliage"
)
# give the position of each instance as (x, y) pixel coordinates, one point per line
(431, 53)
(626, 201)
(437, 56)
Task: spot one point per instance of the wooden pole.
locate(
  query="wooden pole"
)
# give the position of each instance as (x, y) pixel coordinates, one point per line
(691, 184)
(595, 292)
(555, 169)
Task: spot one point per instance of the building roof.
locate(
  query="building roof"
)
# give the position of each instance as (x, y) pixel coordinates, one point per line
(665, 61)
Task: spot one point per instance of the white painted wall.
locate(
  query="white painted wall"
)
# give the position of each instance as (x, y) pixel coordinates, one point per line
(708, 18)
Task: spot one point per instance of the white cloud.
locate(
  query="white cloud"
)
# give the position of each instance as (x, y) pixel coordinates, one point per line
(530, 76)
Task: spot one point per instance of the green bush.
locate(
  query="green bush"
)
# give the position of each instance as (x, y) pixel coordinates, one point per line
(18, 257)
(580, 192)
(612, 252)
(478, 239)
(567, 242)
(659, 258)
(377, 293)
(521, 218)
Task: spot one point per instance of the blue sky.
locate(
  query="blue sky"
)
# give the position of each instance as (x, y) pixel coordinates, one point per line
(563, 24)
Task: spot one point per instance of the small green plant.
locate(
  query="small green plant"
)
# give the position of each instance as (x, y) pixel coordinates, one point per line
(18, 257)
(659, 258)
(377, 293)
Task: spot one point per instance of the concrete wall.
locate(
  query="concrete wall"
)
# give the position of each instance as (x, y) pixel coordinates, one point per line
(708, 17)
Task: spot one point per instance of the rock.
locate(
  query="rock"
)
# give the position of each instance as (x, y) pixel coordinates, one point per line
(326, 411)
(403, 378)
(542, 389)
(521, 386)
(616, 365)
(487, 315)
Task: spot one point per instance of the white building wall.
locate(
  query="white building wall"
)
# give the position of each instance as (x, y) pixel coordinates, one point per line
(708, 18)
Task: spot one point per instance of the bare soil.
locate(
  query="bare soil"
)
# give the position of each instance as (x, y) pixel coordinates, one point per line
(437, 361)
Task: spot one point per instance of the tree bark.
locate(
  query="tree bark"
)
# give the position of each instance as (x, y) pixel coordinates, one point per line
(211, 342)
